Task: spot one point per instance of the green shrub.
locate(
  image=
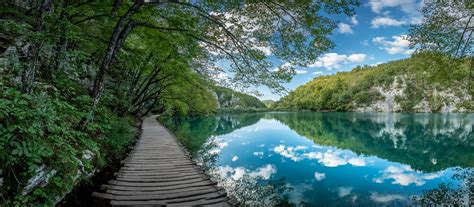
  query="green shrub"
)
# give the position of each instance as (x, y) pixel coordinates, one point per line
(44, 132)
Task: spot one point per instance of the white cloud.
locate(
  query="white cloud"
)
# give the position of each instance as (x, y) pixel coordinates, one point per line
(237, 173)
(313, 155)
(220, 76)
(287, 152)
(344, 191)
(357, 58)
(405, 176)
(317, 72)
(416, 20)
(386, 21)
(331, 159)
(214, 151)
(407, 6)
(334, 60)
(235, 158)
(264, 172)
(279, 148)
(365, 43)
(399, 45)
(398, 50)
(344, 28)
(223, 171)
(298, 192)
(410, 7)
(283, 67)
(258, 154)
(266, 50)
(301, 147)
(354, 20)
(357, 162)
(319, 176)
(385, 198)
(222, 144)
(377, 63)
(300, 72)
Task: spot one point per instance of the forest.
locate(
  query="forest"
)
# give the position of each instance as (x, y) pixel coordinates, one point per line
(77, 78)
(421, 83)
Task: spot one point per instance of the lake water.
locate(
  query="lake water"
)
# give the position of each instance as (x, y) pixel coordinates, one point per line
(330, 159)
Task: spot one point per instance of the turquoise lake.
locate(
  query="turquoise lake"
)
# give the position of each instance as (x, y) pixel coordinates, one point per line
(330, 158)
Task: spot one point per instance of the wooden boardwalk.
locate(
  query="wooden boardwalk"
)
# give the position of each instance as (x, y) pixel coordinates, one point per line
(160, 172)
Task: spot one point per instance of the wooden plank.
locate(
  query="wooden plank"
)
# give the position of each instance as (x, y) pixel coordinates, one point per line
(162, 174)
(153, 196)
(158, 180)
(162, 188)
(159, 171)
(140, 192)
(156, 184)
(218, 202)
(159, 168)
(156, 171)
(159, 165)
(198, 198)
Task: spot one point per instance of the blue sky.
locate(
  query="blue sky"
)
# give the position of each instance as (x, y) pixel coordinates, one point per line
(374, 35)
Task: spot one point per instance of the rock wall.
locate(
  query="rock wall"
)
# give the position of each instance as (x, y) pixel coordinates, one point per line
(447, 101)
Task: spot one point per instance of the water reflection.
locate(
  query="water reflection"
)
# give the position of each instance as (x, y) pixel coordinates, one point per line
(331, 159)
(194, 132)
(426, 142)
(448, 195)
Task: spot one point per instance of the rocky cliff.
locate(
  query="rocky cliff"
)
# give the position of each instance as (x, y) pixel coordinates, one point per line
(441, 101)
(417, 84)
(228, 98)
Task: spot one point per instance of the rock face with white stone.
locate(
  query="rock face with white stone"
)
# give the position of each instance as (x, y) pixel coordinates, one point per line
(43, 174)
(448, 101)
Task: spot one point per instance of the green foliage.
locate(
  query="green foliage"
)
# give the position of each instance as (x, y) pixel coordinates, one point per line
(229, 98)
(445, 28)
(269, 103)
(420, 77)
(447, 194)
(41, 132)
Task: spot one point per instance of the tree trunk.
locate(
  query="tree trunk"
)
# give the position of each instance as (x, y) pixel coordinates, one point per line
(58, 48)
(28, 76)
(115, 8)
(120, 33)
(469, 88)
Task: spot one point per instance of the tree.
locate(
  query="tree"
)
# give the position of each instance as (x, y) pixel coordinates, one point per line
(240, 32)
(447, 28)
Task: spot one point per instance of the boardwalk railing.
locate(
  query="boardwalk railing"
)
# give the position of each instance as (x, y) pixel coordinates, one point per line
(159, 171)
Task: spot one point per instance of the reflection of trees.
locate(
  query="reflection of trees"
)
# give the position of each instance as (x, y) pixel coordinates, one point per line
(249, 190)
(447, 195)
(198, 134)
(427, 143)
(194, 131)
